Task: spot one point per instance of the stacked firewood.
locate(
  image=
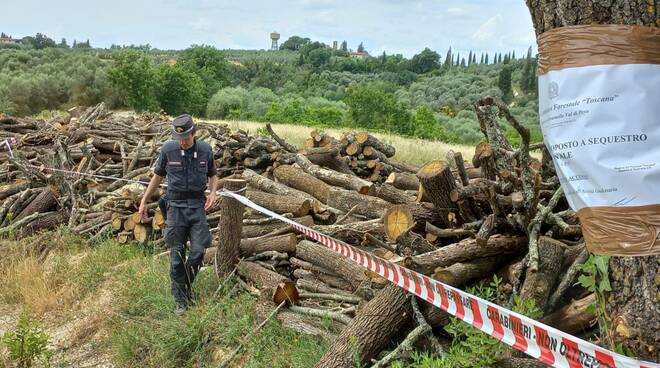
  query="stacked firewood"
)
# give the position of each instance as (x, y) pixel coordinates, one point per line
(367, 156)
(100, 147)
(501, 214)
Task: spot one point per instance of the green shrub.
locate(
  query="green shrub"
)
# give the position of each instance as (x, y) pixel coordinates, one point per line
(134, 75)
(179, 91)
(27, 344)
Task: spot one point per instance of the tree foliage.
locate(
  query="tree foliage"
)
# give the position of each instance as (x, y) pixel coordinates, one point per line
(133, 76)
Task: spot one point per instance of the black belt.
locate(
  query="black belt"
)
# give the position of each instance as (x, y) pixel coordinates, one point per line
(175, 196)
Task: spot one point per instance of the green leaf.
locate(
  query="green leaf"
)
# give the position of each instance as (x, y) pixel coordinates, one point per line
(587, 282)
(602, 263)
(604, 284)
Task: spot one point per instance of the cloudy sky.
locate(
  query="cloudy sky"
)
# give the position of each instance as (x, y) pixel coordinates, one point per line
(394, 26)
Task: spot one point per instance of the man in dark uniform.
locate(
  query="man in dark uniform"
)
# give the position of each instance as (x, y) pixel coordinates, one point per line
(188, 164)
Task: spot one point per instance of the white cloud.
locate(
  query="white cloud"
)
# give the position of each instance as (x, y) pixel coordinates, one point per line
(488, 29)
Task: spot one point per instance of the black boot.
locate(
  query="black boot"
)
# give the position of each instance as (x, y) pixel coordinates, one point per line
(180, 298)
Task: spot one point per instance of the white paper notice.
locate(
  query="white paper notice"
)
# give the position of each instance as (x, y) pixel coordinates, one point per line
(602, 126)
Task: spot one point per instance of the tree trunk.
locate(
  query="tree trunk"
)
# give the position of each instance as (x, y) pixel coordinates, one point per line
(229, 228)
(367, 206)
(575, 317)
(326, 258)
(539, 284)
(280, 204)
(460, 274)
(347, 181)
(41, 203)
(438, 182)
(299, 179)
(633, 306)
(466, 250)
(371, 330)
(255, 231)
(281, 243)
(401, 218)
(353, 233)
(403, 181)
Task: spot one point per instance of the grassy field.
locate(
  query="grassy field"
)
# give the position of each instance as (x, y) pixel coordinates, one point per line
(410, 150)
(109, 305)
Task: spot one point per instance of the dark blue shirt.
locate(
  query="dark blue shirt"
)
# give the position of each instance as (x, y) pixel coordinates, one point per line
(186, 170)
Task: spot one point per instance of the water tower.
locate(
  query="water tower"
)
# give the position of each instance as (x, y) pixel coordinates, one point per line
(274, 36)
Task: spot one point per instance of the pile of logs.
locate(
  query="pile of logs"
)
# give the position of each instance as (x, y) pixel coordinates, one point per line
(366, 156)
(501, 214)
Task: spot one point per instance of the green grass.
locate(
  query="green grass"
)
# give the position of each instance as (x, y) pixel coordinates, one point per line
(147, 333)
(124, 291)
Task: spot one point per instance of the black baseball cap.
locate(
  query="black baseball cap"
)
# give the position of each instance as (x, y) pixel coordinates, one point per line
(182, 126)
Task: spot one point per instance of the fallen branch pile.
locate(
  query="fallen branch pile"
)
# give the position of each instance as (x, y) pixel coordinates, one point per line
(502, 213)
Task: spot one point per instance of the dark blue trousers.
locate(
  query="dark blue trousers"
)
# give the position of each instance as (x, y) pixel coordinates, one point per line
(183, 224)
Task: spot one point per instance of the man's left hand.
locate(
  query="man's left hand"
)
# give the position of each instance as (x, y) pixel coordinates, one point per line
(210, 201)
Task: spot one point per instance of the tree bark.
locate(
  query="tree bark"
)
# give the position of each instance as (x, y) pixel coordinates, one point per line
(353, 233)
(367, 206)
(229, 228)
(438, 182)
(633, 306)
(41, 203)
(280, 204)
(538, 285)
(350, 182)
(403, 181)
(326, 258)
(460, 274)
(575, 317)
(466, 250)
(255, 231)
(370, 331)
(298, 179)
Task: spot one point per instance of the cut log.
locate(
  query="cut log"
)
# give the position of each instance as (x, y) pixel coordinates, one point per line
(368, 206)
(370, 331)
(280, 243)
(366, 139)
(280, 204)
(353, 233)
(261, 277)
(319, 287)
(141, 232)
(298, 179)
(47, 221)
(466, 250)
(41, 203)
(400, 218)
(460, 273)
(325, 257)
(9, 190)
(576, 317)
(229, 229)
(403, 181)
(538, 285)
(438, 182)
(328, 157)
(393, 195)
(335, 178)
(255, 231)
(412, 244)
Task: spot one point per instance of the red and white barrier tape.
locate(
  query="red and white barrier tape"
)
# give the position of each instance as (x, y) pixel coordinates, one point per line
(542, 342)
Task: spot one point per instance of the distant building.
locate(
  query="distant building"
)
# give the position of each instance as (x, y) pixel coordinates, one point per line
(8, 40)
(359, 55)
(334, 45)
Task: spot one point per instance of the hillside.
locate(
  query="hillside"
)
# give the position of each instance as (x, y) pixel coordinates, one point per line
(426, 96)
